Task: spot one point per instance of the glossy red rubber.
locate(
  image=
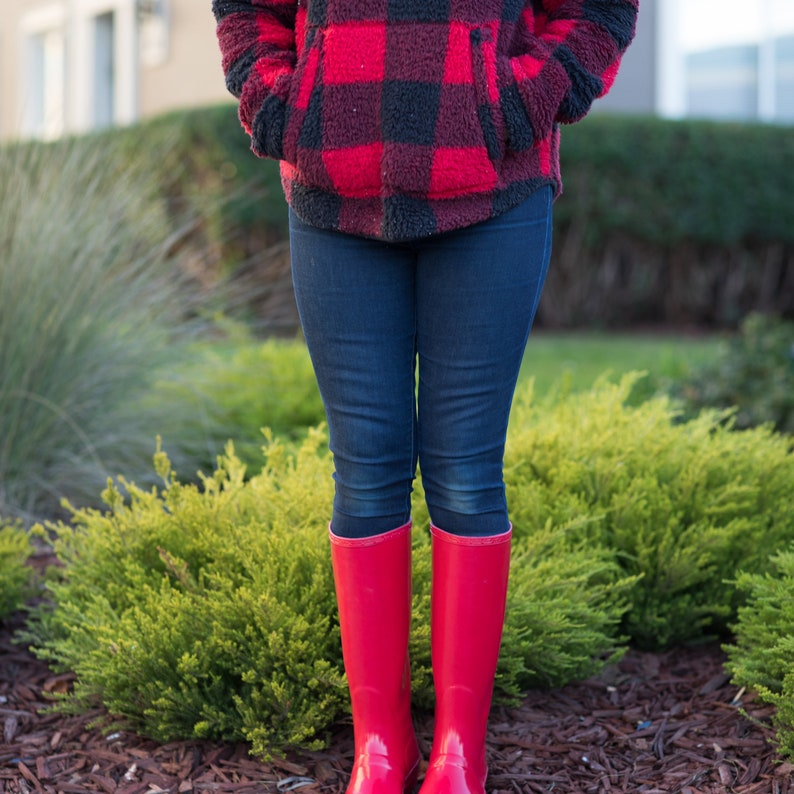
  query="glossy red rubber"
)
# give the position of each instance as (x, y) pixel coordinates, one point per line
(468, 609)
(373, 591)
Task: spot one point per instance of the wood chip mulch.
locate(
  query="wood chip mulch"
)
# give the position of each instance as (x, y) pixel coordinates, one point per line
(654, 723)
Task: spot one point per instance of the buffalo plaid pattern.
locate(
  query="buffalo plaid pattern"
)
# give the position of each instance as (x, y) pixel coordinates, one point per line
(398, 119)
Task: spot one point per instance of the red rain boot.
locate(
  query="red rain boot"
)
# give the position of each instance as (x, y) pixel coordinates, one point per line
(468, 609)
(373, 591)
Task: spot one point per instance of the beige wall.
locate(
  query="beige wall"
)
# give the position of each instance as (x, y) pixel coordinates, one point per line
(10, 58)
(192, 74)
(188, 74)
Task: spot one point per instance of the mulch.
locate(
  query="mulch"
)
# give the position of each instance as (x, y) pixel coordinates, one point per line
(658, 723)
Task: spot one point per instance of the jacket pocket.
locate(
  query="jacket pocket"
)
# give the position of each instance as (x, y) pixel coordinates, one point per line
(302, 125)
(484, 74)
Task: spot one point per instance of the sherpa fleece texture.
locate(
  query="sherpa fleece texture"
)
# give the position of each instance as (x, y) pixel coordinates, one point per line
(398, 119)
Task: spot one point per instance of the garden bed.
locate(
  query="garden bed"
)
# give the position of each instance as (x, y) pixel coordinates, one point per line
(655, 722)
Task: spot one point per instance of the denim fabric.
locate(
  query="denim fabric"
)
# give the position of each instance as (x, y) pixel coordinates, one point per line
(461, 304)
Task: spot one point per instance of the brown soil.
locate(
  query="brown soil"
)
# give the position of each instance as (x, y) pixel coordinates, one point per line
(655, 723)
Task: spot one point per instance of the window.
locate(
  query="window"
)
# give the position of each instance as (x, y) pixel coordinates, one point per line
(153, 31)
(104, 111)
(723, 82)
(104, 62)
(739, 65)
(44, 74)
(784, 64)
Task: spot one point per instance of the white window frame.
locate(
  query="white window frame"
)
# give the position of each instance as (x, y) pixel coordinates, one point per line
(154, 31)
(83, 71)
(670, 74)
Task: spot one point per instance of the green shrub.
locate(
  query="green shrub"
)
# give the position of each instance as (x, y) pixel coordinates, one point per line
(684, 223)
(210, 611)
(15, 576)
(677, 222)
(205, 169)
(683, 505)
(92, 310)
(204, 162)
(233, 389)
(761, 658)
(204, 611)
(753, 372)
(671, 182)
(565, 603)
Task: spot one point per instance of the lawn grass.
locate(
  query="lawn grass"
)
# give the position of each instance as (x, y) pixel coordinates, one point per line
(576, 359)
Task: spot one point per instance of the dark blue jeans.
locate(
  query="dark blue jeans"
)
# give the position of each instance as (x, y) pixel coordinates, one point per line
(459, 303)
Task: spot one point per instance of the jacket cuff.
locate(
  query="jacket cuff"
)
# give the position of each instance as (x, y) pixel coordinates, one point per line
(267, 132)
(532, 87)
(584, 89)
(265, 122)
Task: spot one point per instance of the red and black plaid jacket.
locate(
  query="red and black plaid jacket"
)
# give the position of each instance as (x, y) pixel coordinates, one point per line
(398, 119)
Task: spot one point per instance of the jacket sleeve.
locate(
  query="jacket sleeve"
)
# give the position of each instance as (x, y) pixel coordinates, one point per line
(258, 51)
(570, 59)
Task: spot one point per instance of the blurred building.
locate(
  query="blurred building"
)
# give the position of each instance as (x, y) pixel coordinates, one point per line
(75, 65)
(710, 59)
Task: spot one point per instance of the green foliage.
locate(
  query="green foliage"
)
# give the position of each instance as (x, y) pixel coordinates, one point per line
(15, 576)
(683, 505)
(753, 372)
(661, 221)
(234, 389)
(665, 182)
(213, 147)
(668, 182)
(92, 306)
(210, 611)
(761, 658)
(684, 223)
(204, 611)
(205, 167)
(565, 603)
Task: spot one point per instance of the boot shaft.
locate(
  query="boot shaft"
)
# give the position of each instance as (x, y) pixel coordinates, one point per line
(468, 608)
(373, 589)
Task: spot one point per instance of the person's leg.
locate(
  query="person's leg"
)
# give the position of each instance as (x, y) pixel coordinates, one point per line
(356, 302)
(478, 292)
(373, 589)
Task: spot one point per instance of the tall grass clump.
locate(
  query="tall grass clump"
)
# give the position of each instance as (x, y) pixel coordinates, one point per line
(91, 308)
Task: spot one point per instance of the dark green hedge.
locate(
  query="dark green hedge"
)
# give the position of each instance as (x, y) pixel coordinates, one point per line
(205, 163)
(667, 183)
(675, 222)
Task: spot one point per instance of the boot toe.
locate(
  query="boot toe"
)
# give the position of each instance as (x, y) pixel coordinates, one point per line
(453, 775)
(377, 775)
